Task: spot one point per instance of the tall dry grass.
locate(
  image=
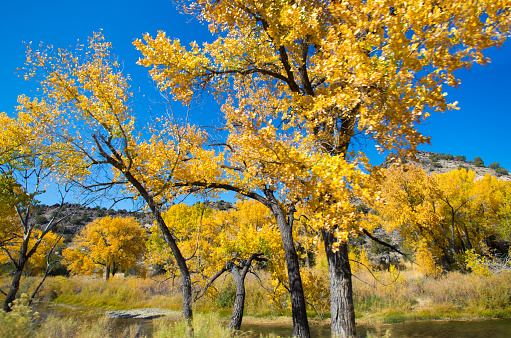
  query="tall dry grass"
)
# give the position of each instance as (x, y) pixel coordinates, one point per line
(409, 295)
(383, 296)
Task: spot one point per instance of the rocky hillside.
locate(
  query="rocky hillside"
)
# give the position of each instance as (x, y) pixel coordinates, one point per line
(441, 163)
(76, 216)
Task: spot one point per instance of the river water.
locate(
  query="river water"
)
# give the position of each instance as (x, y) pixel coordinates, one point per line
(491, 328)
(498, 328)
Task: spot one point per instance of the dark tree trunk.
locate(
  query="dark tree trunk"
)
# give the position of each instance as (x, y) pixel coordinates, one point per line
(19, 266)
(13, 290)
(239, 281)
(115, 268)
(341, 293)
(107, 272)
(300, 322)
(183, 268)
(239, 301)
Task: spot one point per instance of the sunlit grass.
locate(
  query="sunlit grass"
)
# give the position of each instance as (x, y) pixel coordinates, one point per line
(390, 298)
(412, 296)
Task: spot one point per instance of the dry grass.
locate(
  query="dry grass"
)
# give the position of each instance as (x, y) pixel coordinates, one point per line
(391, 297)
(412, 296)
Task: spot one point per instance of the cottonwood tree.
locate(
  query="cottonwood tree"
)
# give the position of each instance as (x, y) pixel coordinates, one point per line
(107, 243)
(241, 237)
(299, 80)
(24, 172)
(441, 216)
(85, 109)
(216, 242)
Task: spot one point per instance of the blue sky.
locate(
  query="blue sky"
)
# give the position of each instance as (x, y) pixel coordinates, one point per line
(479, 128)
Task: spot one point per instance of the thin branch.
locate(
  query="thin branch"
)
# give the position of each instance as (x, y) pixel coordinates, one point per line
(393, 247)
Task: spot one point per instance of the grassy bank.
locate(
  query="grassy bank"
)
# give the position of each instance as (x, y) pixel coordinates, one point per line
(24, 322)
(409, 295)
(390, 297)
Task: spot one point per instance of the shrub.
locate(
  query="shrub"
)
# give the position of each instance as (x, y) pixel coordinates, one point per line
(478, 162)
(226, 296)
(434, 157)
(76, 221)
(502, 171)
(460, 158)
(494, 165)
(20, 321)
(85, 218)
(446, 156)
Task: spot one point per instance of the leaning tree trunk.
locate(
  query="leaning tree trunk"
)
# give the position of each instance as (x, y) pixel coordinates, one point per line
(16, 278)
(239, 281)
(13, 290)
(341, 292)
(300, 322)
(176, 252)
(183, 268)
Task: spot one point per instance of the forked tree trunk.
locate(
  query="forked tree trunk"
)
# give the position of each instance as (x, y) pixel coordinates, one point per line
(239, 300)
(107, 272)
(239, 281)
(341, 292)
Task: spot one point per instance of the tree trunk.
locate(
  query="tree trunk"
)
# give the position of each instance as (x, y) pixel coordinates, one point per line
(183, 268)
(341, 293)
(169, 239)
(300, 322)
(20, 265)
(239, 301)
(107, 272)
(13, 290)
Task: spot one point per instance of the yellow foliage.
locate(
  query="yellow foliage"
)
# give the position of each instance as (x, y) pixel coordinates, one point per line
(113, 243)
(212, 238)
(37, 262)
(426, 261)
(359, 260)
(442, 215)
(476, 263)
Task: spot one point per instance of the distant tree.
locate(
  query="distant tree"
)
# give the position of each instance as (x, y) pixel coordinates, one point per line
(447, 157)
(110, 244)
(460, 158)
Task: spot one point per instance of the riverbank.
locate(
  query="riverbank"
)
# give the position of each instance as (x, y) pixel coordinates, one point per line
(391, 297)
(257, 327)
